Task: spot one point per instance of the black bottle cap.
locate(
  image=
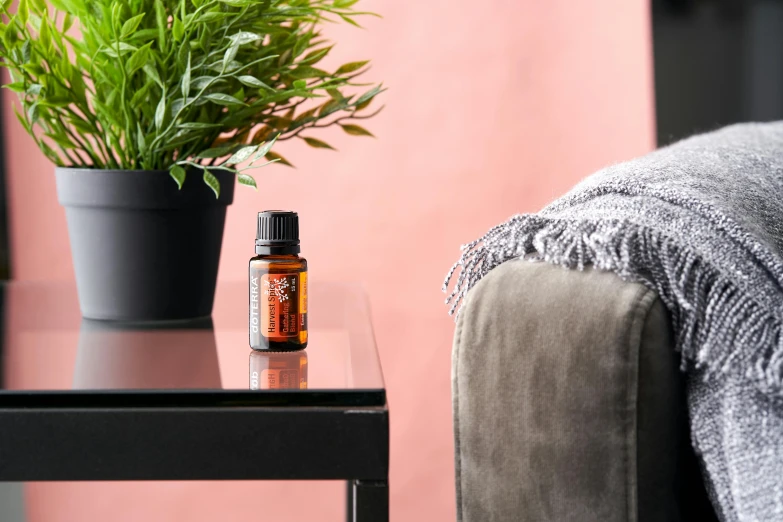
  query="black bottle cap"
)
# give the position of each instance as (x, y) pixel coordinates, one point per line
(277, 232)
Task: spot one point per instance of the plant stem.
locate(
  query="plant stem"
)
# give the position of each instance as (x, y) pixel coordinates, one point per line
(129, 143)
(315, 125)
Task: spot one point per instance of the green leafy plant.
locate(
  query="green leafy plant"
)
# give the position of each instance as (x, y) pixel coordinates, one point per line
(178, 84)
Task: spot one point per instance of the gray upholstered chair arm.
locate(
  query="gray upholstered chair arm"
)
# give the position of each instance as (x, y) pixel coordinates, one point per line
(568, 402)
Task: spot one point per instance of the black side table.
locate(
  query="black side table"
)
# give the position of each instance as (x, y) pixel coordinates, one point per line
(150, 402)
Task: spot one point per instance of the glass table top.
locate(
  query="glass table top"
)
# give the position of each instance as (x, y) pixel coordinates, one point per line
(51, 357)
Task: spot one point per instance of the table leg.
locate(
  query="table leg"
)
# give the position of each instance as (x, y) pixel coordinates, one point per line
(349, 503)
(368, 501)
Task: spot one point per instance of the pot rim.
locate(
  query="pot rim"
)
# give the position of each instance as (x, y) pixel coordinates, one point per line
(140, 171)
(144, 190)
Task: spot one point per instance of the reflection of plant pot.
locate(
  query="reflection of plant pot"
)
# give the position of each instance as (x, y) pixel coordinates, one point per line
(142, 249)
(112, 356)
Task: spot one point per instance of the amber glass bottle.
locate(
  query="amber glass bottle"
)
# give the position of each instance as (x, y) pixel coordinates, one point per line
(278, 285)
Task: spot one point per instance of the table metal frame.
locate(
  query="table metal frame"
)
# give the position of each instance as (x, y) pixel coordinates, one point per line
(231, 442)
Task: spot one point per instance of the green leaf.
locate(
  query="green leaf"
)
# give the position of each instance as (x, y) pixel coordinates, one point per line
(223, 99)
(196, 125)
(75, 76)
(369, 95)
(61, 140)
(26, 51)
(49, 153)
(284, 58)
(152, 73)
(161, 18)
(300, 84)
(241, 155)
(306, 72)
(318, 144)
(217, 152)
(116, 12)
(329, 107)
(304, 118)
(335, 94)
(35, 20)
(211, 16)
(37, 70)
(356, 130)
(160, 112)
(212, 182)
(344, 4)
(300, 46)
(126, 48)
(140, 96)
(244, 37)
(22, 120)
(57, 101)
(123, 47)
(32, 113)
(260, 135)
(10, 37)
(130, 25)
(245, 179)
(264, 149)
(251, 81)
(274, 156)
(178, 141)
(112, 97)
(107, 114)
(349, 20)
(186, 80)
(316, 56)
(182, 55)
(44, 36)
(350, 67)
(230, 54)
(23, 11)
(178, 104)
(361, 106)
(81, 125)
(232, 66)
(178, 174)
(203, 82)
(141, 143)
(144, 35)
(177, 29)
(34, 89)
(138, 59)
(67, 21)
(15, 86)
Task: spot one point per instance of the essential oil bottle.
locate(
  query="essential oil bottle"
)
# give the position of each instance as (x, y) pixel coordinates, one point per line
(278, 285)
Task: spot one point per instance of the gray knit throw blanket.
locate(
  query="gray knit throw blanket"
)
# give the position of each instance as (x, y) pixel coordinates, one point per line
(700, 222)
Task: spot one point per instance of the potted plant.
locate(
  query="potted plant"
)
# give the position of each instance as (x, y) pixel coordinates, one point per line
(148, 108)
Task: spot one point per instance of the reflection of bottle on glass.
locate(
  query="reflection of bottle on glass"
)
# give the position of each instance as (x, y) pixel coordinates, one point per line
(278, 370)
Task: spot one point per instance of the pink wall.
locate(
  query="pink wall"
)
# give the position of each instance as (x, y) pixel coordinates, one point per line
(494, 108)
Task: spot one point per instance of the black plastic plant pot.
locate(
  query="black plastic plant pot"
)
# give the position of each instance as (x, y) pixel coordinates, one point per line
(142, 249)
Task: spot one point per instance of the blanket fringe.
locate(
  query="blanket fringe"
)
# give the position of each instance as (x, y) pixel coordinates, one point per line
(717, 326)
